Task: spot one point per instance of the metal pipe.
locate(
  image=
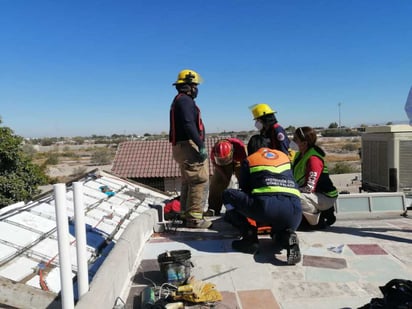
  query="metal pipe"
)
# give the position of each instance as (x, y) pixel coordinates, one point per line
(64, 246)
(81, 241)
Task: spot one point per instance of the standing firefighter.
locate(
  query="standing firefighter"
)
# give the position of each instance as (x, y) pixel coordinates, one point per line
(187, 135)
(268, 126)
(226, 156)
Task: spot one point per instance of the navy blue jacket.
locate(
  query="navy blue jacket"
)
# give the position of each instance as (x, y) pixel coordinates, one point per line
(185, 121)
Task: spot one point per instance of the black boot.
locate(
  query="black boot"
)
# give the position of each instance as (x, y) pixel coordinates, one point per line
(249, 242)
(328, 216)
(291, 243)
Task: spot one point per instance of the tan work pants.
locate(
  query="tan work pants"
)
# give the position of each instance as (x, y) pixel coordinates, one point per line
(194, 178)
(219, 182)
(313, 204)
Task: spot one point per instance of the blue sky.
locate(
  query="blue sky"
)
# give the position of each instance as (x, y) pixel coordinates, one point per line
(78, 68)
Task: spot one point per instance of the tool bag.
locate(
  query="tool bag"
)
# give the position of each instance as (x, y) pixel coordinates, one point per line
(397, 294)
(175, 266)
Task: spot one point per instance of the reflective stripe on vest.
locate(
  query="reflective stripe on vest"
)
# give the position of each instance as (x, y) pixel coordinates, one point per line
(200, 125)
(276, 189)
(272, 169)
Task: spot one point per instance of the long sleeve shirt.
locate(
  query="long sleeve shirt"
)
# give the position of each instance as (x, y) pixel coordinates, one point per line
(185, 121)
(314, 168)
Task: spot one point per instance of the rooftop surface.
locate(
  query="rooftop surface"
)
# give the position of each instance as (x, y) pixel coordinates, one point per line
(29, 251)
(342, 266)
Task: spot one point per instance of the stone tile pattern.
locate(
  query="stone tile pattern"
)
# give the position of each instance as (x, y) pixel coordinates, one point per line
(367, 249)
(324, 262)
(323, 280)
(258, 299)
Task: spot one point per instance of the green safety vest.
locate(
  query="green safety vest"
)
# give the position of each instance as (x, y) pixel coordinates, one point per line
(324, 184)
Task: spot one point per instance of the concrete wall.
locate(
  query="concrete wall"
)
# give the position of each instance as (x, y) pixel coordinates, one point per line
(19, 295)
(113, 277)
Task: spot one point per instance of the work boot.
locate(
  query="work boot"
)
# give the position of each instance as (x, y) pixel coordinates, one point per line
(198, 223)
(249, 242)
(328, 216)
(293, 251)
(210, 213)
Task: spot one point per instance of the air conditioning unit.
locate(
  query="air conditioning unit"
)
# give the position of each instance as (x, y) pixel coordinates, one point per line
(386, 156)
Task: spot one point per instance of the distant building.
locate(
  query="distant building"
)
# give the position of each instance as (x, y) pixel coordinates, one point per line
(151, 163)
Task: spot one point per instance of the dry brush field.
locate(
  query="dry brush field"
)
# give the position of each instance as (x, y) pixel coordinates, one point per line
(342, 150)
(74, 161)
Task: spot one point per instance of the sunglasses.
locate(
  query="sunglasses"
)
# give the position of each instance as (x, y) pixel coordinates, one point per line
(302, 135)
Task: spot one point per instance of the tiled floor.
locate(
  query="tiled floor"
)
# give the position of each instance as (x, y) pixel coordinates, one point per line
(342, 267)
(372, 249)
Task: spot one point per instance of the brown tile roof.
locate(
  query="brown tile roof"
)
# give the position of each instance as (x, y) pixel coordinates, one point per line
(148, 159)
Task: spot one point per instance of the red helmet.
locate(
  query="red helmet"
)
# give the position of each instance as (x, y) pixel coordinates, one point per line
(223, 152)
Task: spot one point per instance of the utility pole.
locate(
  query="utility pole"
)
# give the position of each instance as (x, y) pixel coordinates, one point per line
(339, 104)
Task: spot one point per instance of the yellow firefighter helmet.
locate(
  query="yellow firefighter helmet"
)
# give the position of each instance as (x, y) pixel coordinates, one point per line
(261, 109)
(188, 77)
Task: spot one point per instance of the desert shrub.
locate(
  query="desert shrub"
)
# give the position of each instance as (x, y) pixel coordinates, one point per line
(350, 146)
(101, 156)
(70, 155)
(52, 158)
(78, 171)
(342, 168)
(29, 150)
